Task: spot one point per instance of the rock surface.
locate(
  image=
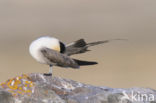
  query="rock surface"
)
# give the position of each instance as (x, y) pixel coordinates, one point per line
(37, 88)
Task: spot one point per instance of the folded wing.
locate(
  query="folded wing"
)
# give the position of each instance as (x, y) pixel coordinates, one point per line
(53, 57)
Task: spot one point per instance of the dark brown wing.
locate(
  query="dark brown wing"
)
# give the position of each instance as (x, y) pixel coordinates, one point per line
(76, 47)
(55, 58)
(80, 46)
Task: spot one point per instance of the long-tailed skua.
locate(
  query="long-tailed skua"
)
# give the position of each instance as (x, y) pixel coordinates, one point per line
(49, 50)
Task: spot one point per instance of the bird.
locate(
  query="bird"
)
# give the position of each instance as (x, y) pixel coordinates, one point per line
(53, 52)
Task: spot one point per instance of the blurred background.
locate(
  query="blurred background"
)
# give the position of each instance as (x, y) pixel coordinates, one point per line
(122, 64)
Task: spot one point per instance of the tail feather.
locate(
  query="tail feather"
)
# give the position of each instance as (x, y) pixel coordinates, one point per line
(84, 63)
(96, 43)
(101, 42)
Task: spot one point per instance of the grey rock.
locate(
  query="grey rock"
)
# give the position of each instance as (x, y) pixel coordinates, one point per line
(37, 88)
(6, 97)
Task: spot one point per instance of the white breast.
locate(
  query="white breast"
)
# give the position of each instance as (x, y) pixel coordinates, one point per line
(36, 45)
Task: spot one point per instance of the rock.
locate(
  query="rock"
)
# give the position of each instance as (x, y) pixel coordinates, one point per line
(37, 88)
(5, 96)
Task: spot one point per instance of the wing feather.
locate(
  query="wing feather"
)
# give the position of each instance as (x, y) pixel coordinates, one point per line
(55, 58)
(80, 46)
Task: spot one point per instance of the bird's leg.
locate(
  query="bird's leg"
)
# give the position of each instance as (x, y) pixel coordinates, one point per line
(50, 71)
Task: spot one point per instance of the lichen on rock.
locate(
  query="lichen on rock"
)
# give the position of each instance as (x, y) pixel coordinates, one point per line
(37, 88)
